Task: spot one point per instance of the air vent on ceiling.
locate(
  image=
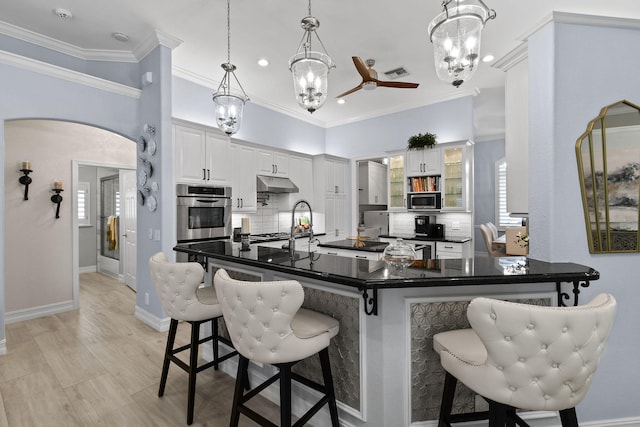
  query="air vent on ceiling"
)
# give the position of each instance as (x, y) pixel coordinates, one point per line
(396, 73)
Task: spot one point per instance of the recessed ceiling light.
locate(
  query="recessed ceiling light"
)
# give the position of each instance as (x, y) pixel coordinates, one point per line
(341, 101)
(487, 58)
(121, 37)
(63, 13)
(263, 62)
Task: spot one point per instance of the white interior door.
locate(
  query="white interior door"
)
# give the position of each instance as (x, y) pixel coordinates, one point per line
(128, 237)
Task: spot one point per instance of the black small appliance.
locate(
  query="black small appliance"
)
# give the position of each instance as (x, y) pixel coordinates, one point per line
(425, 225)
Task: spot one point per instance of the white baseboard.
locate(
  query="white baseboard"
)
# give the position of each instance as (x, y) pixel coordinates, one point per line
(3, 347)
(35, 312)
(88, 269)
(157, 323)
(548, 419)
(620, 422)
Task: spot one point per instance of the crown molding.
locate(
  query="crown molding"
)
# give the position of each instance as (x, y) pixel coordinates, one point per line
(582, 19)
(55, 71)
(213, 85)
(405, 107)
(512, 58)
(153, 40)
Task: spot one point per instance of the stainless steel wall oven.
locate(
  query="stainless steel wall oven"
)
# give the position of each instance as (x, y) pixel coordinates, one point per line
(203, 212)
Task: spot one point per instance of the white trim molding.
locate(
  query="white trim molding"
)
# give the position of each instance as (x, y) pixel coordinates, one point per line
(55, 71)
(36, 312)
(160, 324)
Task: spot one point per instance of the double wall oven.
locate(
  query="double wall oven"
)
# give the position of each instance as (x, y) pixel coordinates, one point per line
(202, 213)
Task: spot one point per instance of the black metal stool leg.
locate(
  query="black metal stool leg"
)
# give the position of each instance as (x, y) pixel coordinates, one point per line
(214, 335)
(171, 338)
(328, 384)
(497, 414)
(193, 369)
(447, 399)
(243, 365)
(569, 418)
(285, 395)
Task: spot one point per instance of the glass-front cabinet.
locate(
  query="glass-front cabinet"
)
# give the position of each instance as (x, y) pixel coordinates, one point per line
(397, 194)
(457, 176)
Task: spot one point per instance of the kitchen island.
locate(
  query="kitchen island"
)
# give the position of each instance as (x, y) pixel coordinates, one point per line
(386, 372)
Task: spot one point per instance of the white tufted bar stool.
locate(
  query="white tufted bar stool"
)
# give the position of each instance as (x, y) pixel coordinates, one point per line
(520, 356)
(267, 325)
(183, 299)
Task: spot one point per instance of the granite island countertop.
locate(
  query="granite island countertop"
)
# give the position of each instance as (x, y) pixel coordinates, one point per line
(369, 274)
(426, 238)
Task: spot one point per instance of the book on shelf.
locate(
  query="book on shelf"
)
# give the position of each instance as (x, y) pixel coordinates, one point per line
(424, 184)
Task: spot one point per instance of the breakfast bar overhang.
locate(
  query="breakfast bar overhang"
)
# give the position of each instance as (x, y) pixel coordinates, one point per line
(385, 370)
(370, 276)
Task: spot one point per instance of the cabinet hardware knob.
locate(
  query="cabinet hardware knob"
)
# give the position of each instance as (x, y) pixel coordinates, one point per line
(204, 174)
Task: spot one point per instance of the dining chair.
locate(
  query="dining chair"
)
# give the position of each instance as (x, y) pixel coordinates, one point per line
(493, 228)
(522, 356)
(185, 298)
(493, 249)
(267, 325)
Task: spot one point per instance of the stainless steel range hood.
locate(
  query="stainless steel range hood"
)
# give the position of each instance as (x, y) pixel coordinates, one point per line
(275, 184)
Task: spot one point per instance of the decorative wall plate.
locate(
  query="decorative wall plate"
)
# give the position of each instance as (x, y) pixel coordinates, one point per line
(142, 144)
(141, 197)
(152, 203)
(152, 146)
(142, 177)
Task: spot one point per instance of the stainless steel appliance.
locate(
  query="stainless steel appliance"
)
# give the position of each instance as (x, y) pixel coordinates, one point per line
(375, 223)
(424, 201)
(203, 212)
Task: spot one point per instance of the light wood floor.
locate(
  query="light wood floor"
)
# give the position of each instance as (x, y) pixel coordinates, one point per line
(99, 365)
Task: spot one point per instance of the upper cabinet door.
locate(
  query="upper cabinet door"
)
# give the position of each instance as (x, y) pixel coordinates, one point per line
(273, 163)
(397, 186)
(244, 164)
(457, 177)
(190, 152)
(217, 155)
(336, 176)
(423, 162)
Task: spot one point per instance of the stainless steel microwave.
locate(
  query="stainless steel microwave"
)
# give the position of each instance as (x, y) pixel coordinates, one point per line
(424, 201)
(203, 212)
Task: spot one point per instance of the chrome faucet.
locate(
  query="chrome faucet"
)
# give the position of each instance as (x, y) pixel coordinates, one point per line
(292, 237)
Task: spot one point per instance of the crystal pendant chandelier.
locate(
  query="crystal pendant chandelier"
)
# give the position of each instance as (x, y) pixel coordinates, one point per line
(310, 69)
(229, 106)
(455, 34)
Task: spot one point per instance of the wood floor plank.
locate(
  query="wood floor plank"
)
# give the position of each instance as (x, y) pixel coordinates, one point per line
(100, 366)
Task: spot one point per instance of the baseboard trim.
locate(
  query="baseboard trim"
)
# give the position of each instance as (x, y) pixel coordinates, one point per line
(3, 347)
(157, 323)
(547, 419)
(88, 269)
(619, 422)
(35, 312)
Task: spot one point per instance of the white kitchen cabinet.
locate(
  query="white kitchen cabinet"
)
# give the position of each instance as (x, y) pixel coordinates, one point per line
(273, 163)
(372, 183)
(457, 177)
(426, 162)
(243, 181)
(301, 174)
(331, 192)
(201, 155)
(397, 188)
(451, 250)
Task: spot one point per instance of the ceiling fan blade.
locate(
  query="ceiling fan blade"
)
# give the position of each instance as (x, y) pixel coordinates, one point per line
(362, 68)
(404, 85)
(349, 91)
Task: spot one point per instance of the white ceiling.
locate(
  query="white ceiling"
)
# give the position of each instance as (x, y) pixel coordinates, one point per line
(394, 33)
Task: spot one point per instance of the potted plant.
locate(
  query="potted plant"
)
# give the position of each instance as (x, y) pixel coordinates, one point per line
(422, 141)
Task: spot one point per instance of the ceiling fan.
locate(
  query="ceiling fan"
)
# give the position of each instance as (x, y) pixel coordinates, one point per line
(370, 78)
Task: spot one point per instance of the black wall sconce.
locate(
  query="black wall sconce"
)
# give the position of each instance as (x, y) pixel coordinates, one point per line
(25, 168)
(57, 198)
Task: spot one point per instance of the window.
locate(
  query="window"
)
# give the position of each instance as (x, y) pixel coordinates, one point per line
(502, 216)
(83, 205)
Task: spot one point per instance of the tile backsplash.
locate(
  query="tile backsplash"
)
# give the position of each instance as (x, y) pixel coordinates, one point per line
(403, 223)
(275, 216)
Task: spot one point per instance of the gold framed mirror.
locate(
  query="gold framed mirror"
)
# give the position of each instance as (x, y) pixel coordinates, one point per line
(608, 156)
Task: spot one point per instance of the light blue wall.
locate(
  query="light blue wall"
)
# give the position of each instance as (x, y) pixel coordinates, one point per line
(192, 102)
(575, 70)
(450, 121)
(121, 72)
(29, 94)
(485, 155)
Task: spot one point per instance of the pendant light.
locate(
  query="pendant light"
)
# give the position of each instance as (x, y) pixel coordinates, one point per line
(455, 34)
(229, 106)
(310, 69)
